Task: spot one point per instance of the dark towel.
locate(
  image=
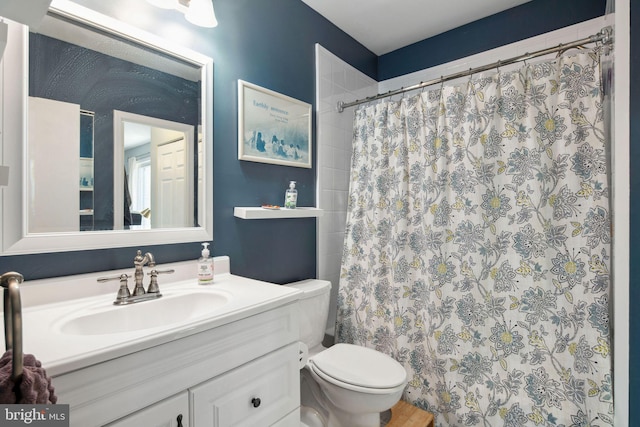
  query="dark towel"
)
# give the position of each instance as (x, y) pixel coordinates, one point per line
(36, 387)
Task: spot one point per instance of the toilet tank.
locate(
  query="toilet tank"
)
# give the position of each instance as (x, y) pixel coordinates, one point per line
(314, 310)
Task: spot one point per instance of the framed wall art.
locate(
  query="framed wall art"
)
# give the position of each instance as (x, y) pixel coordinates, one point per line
(273, 128)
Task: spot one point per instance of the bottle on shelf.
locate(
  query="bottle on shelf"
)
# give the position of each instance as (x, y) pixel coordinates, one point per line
(291, 196)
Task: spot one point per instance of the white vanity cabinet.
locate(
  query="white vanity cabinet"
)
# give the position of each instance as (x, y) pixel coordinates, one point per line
(212, 378)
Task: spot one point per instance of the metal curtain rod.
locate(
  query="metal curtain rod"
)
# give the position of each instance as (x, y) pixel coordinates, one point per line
(605, 36)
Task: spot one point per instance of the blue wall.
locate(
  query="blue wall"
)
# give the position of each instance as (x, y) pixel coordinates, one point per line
(527, 20)
(269, 43)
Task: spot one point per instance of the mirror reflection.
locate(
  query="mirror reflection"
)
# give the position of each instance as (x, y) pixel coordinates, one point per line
(90, 96)
(158, 180)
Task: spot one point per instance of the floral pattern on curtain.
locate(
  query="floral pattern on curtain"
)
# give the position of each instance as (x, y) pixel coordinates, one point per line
(477, 247)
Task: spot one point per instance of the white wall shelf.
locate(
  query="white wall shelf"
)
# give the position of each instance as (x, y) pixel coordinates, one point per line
(261, 213)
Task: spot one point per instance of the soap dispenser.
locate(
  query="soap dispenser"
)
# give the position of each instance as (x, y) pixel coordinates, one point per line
(205, 266)
(291, 196)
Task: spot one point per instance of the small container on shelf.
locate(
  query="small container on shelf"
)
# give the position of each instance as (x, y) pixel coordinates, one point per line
(291, 196)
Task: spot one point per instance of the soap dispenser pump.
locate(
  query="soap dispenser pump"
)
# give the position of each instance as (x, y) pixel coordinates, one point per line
(291, 196)
(205, 266)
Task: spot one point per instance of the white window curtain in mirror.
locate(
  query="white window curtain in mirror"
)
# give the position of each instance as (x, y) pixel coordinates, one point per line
(478, 244)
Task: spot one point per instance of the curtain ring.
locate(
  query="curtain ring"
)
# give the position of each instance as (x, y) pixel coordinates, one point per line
(441, 88)
(470, 87)
(498, 66)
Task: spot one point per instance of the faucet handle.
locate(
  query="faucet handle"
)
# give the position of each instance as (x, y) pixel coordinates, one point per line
(153, 285)
(123, 292)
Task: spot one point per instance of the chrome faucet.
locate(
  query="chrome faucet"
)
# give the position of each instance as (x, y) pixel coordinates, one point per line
(139, 261)
(139, 294)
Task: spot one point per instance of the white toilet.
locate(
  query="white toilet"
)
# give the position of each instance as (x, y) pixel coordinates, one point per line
(344, 385)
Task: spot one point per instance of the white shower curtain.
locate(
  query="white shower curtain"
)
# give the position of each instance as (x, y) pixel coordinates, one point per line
(478, 243)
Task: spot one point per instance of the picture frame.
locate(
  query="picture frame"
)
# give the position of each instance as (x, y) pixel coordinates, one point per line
(272, 127)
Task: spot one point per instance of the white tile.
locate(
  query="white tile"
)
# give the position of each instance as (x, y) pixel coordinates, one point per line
(340, 221)
(325, 242)
(341, 180)
(326, 154)
(321, 132)
(324, 107)
(325, 89)
(324, 68)
(346, 159)
(345, 121)
(336, 137)
(340, 201)
(338, 155)
(339, 77)
(326, 200)
(334, 223)
(351, 79)
(335, 259)
(336, 240)
(326, 179)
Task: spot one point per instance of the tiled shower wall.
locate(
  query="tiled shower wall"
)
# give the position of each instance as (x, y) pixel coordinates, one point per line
(335, 81)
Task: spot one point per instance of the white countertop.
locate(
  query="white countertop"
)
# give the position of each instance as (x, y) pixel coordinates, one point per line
(62, 352)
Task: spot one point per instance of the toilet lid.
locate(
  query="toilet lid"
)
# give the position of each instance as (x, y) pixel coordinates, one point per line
(360, 366)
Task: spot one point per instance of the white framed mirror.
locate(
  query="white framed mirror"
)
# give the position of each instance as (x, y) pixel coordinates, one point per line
(49, 161)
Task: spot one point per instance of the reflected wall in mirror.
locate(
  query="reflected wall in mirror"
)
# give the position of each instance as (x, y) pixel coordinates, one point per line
(73, 194)
(64, 67)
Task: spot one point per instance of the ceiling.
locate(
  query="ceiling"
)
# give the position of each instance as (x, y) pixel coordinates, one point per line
(383, 26)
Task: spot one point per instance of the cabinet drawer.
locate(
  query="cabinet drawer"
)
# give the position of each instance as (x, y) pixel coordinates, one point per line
(172, 412)
(253, 395)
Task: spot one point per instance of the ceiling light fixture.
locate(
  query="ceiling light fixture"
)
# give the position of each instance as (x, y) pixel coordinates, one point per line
(198, 12)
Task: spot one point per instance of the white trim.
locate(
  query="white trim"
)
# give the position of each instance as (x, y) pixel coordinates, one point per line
(262, 213)
(621, 202)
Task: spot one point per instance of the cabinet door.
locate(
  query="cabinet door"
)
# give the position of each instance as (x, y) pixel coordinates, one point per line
(254, 395)
(172, 412)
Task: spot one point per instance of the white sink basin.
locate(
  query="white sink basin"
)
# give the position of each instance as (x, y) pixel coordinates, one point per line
(71, 323)
(168, 310)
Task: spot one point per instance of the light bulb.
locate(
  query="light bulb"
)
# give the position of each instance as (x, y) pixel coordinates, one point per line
(201, 13)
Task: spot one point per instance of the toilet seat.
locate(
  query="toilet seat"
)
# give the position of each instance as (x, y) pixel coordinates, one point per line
(350, 366)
